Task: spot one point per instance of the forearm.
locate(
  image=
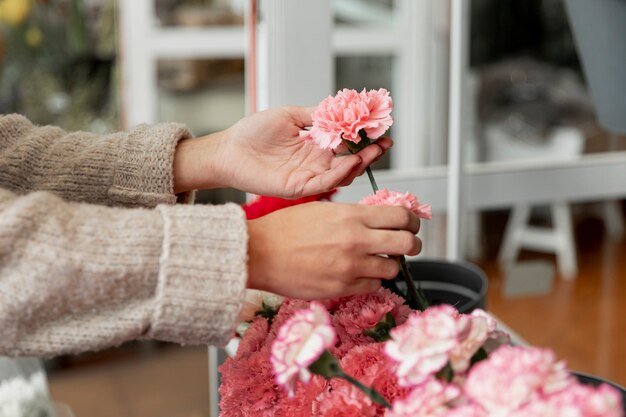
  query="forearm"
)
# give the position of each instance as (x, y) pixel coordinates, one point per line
(124, 169)
(77, 277)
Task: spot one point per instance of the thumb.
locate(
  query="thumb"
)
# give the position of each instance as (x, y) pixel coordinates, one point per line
(302, 115)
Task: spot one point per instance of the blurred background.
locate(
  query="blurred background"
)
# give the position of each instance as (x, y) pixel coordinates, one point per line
(554, 259)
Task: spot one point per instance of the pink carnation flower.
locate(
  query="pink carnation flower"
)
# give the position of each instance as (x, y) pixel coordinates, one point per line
(514, 376)
(422, 345)
(385, 197)
(343, 399)
(358, 313)
(369, 365)
(247, 386)
(429, 399)
(303, 404)
(345, 114)
(254, 339)
(301, 340)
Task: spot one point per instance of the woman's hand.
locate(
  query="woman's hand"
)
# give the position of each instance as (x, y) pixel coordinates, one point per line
(325, 250)
(263, 154)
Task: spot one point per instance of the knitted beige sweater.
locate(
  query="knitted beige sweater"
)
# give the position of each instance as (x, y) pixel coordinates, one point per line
(77, 274)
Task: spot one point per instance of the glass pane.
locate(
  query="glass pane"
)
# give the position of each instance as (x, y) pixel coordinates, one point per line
(206, 95)
(554, 259)
(530, 92)
(200, 13)
(58, 64)
(363, 12)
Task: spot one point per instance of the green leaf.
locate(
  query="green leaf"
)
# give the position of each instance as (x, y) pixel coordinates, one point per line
(356, 147)
(446, 373)
(380, 332)
(327, 366)
(480, 355)
(267, 312)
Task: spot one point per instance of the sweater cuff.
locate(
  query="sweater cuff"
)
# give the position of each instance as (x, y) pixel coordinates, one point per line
(144, 169)
(203, 274)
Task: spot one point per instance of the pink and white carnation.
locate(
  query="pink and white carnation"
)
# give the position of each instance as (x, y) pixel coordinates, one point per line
(285, 312)
(301, 340)
(422, 346)
(432, 398)
(576, 401)
(385, 197)
(481, 325)
(255, 301)
(513, 376)
(466, 410)
(495, 336)
(342, 117)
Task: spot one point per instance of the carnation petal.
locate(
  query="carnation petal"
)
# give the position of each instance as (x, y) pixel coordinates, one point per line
(300, 341)
(384, 197)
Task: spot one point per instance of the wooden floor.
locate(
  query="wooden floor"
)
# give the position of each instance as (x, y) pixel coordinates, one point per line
(584, 320)
(172, 382)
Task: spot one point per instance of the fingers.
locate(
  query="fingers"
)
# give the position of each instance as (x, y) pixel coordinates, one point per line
(385, 143)
(390, 217)
(369, 155)
(394, 242)
(375, 151)
(376, 266)
(363, 286)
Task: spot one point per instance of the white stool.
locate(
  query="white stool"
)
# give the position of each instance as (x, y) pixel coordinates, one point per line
(558, 240)
(564, 143)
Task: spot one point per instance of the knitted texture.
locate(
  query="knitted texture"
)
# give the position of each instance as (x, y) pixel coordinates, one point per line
(76, 276)
(128, 169)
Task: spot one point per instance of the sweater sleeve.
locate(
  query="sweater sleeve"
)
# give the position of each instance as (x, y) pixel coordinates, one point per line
(76, 277)
(121, 169)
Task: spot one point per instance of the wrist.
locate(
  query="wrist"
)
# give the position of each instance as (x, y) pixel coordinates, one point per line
(198, 163)
(256, 280)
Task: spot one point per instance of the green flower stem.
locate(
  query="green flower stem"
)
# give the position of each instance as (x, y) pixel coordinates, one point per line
(370, 392)
(371, 177)
(415, 296)
(328, 367)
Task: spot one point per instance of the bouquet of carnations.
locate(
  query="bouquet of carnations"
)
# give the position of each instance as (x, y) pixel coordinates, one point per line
(371, 355)
(388, 353)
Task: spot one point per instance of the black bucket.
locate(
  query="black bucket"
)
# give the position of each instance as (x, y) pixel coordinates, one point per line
(460, 284)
